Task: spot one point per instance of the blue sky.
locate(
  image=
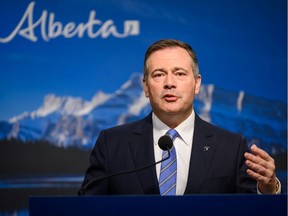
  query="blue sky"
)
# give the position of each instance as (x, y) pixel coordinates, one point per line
(241, 45)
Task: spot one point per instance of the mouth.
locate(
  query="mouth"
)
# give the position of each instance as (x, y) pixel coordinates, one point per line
(170, 97)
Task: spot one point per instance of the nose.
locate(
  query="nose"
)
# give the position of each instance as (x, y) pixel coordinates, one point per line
(169, 82)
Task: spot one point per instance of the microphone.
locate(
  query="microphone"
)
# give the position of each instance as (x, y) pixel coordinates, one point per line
(164, 142)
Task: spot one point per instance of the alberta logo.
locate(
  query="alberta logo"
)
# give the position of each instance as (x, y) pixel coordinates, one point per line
(51, 28)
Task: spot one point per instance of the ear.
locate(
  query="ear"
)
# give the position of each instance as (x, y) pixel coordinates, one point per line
(146, 88)
(197, 84)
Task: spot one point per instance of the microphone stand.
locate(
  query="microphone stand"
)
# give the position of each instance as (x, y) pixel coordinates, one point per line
(92, 182)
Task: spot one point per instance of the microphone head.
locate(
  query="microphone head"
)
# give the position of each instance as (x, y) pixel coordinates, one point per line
(165, 142)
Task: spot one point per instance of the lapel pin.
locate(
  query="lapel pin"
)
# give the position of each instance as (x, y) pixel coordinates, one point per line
(206, 148)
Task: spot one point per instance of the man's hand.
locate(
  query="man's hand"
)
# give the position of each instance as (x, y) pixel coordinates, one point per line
(261, 167)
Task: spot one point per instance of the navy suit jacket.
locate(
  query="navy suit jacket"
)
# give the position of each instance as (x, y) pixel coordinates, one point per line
(220, 168)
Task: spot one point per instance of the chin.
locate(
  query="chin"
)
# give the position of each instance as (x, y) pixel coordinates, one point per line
(172, 111)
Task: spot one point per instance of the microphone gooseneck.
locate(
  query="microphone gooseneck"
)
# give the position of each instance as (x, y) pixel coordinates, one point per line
(164, 142)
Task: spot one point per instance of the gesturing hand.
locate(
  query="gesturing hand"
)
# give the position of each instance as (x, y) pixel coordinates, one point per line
(261, 167)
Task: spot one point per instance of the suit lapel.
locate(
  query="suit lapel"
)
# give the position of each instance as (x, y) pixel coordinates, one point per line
(142, 151)
(203, 151)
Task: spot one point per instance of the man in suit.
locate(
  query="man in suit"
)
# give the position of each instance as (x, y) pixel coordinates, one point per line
(209, 159)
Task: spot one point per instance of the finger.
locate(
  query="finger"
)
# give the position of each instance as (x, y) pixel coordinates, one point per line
(256, 176)
(260, 157)
(257, 160)
(260, 178)
(259, 169)
(261, 153)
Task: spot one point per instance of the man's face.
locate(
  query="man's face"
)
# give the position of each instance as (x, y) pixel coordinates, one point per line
(171, 85)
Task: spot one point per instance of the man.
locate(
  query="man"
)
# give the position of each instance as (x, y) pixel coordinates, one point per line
(208, 159)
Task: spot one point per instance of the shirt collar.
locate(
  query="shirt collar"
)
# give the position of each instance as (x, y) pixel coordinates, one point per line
(185, 129)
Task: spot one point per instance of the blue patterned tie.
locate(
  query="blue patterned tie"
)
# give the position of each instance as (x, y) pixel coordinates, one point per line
(168, 173)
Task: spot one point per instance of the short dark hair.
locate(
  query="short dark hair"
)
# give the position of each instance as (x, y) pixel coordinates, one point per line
(168, 43)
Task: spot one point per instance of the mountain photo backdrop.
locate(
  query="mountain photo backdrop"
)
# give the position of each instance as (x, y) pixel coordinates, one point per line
(69, 69)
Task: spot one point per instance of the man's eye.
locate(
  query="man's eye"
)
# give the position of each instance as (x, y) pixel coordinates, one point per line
(158, 74)
(180, 74)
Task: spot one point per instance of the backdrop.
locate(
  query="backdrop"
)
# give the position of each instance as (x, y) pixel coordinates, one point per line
(69, 69)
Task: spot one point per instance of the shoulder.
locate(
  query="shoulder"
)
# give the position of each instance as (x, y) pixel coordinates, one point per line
(209, 129)
(135, 126)
(230, 144)
(122, 134)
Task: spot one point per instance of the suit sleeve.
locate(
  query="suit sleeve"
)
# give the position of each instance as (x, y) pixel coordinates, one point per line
(244, 184)
(98, 169)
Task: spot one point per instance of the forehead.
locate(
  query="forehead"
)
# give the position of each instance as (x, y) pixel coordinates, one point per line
(169, 57)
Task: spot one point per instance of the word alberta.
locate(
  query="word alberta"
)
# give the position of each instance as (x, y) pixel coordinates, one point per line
(51, 29)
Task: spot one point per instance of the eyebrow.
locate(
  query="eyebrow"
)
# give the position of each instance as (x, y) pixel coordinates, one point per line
(159, 69)
(179, 68)
(173, 70)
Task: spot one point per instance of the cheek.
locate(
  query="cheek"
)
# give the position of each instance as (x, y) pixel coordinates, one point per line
(189, 95)
(153, 95)
(152, 91)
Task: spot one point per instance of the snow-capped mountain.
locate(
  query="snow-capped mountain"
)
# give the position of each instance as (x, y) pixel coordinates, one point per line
(67, 121)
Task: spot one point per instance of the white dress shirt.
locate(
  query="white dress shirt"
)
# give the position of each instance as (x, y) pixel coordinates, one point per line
(183, 145)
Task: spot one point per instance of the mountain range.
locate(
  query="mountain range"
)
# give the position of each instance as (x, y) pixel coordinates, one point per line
(69, 121)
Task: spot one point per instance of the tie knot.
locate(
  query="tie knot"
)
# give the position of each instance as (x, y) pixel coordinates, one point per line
(172, 133)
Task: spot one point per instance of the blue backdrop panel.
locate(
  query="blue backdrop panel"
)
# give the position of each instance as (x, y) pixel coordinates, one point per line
(69, 69)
